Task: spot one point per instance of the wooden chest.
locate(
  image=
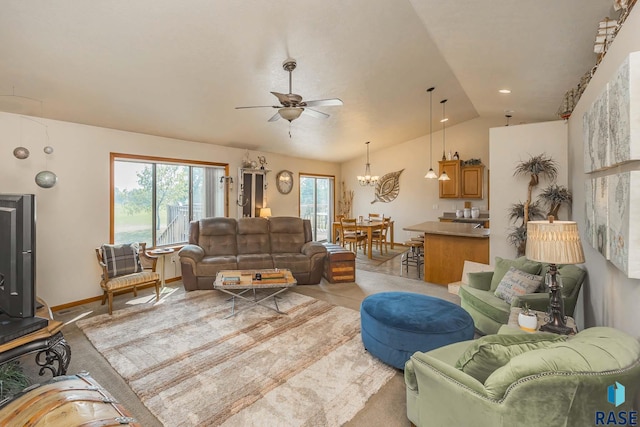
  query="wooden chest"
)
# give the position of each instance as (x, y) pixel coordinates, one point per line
(65, 401)
(340, 265)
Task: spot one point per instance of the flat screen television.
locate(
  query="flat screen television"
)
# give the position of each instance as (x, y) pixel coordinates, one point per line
(17, 255)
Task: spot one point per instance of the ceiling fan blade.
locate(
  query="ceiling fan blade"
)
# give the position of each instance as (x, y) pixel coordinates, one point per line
(324, 102)
(258, 106)
(275, 117)
(315, 113)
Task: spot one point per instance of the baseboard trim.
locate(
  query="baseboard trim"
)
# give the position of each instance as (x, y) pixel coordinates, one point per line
(99, 297)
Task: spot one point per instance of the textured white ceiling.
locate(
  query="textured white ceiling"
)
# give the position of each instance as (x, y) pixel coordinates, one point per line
(179, 68)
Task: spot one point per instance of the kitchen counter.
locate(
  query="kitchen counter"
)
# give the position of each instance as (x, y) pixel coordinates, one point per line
(447, 245)
(450, 229)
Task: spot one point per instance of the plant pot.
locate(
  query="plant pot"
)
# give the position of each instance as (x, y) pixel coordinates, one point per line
(528, 322)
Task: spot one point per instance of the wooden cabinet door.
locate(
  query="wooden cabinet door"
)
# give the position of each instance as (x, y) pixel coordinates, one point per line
(450, 189)
(471, 182)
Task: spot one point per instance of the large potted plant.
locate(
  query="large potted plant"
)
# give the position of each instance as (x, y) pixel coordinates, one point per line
(534, 168)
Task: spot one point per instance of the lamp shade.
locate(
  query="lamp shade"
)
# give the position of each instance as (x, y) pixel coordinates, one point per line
(290, 113)
(554, 242)
(265, 212)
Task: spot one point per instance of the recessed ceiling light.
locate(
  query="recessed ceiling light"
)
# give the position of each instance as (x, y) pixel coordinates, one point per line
(504, 91)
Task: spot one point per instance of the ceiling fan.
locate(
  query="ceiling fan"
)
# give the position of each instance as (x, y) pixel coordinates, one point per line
(292, 105)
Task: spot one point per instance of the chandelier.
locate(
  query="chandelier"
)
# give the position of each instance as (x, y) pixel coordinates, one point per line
(367, 179)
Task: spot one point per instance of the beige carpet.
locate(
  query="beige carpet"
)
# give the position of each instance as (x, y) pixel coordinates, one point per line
(190, 366)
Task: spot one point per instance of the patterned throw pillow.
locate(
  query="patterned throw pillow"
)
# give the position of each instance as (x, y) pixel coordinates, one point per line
(517, 283)
(121, 259)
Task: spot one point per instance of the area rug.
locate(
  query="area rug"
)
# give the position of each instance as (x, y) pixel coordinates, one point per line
(190, 366)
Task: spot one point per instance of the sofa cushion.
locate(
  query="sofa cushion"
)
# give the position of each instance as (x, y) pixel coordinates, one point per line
(254, 261)
(490, 352)
(502, 266)
(253, 236)
(487, 303)
(218, 236)
(210, 265)
(593, 350)
(296, 262)
(121, 259)
(480, 280)
(516, 283)
(287, 235)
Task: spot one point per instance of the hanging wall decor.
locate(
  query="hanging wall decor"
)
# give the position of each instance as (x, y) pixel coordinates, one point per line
(611, 135)
(388, 187)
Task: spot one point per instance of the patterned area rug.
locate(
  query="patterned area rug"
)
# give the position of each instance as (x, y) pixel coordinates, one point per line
(190, 366)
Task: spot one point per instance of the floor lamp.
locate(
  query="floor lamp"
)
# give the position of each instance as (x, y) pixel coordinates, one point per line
(554, 242)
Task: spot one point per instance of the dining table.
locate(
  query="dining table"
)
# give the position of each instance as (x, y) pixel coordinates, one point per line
(370, 226)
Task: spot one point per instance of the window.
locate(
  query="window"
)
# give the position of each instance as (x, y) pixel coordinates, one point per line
(316, 204)
(154, 199)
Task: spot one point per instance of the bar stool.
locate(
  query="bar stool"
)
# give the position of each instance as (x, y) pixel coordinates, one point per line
(413, 256)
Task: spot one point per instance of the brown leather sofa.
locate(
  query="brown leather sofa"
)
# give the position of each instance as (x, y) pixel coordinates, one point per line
(250, 243)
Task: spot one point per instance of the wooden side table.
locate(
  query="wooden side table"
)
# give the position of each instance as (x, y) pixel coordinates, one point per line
(542, 319)
(53, 353)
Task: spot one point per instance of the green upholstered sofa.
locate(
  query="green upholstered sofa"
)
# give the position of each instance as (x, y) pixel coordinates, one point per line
(489, 312)
(563, 382)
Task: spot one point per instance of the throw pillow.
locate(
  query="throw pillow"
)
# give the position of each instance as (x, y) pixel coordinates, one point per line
(121, 259)
(503, 265)
(517, 283)
(491, 352)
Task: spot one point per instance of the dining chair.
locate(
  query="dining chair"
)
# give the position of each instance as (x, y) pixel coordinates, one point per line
(379, 236)
(375, 216)
(351, 233)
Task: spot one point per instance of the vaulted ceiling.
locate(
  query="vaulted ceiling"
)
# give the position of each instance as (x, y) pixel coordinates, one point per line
(179, 68)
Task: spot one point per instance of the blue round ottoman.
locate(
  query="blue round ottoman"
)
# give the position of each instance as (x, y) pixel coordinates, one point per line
(397, 324)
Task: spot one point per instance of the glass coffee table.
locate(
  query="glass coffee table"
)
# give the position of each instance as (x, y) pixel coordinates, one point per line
(238, 283)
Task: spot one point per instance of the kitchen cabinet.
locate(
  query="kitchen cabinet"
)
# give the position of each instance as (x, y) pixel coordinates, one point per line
(471, 181)
(466, 182)
(450, 189)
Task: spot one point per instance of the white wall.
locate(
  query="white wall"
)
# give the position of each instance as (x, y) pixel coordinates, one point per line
(611, 298)
(418, 200)
(73, 217)
(509, 146)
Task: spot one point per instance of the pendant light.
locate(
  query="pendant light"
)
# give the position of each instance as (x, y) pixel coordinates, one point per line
(431, 174)
(443, 176)
(367, 179)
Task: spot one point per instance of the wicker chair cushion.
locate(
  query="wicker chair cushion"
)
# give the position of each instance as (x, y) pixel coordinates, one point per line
(128, 280)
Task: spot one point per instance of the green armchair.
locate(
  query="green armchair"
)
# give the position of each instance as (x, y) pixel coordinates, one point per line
(489, 312)
(538, 380)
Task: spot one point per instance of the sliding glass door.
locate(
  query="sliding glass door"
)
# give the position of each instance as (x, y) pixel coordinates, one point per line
(316, 204)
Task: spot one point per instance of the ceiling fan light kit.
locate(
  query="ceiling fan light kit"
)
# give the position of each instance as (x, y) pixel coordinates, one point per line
(290, 113)
(368, 179)
(291, 104)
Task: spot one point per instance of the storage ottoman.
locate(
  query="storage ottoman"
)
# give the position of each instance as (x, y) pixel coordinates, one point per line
(340, 264)
(397, 324)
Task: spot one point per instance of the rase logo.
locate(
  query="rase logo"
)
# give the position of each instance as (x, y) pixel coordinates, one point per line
(615, 396)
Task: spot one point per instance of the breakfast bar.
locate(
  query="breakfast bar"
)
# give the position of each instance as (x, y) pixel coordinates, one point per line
(446, 247)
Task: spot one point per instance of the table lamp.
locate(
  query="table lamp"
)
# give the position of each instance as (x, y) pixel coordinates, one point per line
(554, 242)
(265, 212)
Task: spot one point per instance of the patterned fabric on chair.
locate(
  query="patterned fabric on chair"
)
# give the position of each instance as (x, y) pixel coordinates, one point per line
(122, 269)
(351, 233)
